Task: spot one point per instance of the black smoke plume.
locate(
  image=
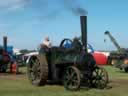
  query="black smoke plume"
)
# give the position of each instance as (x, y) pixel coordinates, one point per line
(75, 7)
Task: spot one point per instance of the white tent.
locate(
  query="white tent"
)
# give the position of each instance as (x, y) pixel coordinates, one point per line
(16, 51)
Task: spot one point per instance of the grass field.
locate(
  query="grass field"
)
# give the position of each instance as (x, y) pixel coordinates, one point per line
(18, 85)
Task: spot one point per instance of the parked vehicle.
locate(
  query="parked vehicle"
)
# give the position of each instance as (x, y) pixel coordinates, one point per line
(118, 58)
(26, 57)
(5, 58)
(73, 67)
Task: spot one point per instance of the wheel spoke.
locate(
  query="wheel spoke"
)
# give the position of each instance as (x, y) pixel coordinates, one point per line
(73, 74)
(96, 71)
(67, 72)
(70, 71)
(38, 75)
(32, 61)
(33, 77)
(37, 63)
(101, 72)
(75, 81)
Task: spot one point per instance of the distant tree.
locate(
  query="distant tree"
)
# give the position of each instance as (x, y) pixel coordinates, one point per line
(24, 51)
(32, 50)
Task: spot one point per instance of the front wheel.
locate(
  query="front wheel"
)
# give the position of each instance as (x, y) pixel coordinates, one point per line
(100, 78)
(72, 78)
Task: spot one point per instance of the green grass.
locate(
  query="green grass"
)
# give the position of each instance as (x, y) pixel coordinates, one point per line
(13, 86)
(115, 73)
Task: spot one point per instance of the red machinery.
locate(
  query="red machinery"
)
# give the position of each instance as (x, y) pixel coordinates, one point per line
(100, 58)
(4, 56)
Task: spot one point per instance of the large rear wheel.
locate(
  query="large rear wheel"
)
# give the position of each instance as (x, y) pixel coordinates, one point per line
(37, 70)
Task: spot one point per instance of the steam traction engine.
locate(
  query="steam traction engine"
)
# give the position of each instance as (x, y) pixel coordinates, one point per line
(4, 56)
(73, 67)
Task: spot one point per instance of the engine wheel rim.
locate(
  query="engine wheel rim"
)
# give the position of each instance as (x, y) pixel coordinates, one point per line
(100, 78)
(72, 78)
(34, 70)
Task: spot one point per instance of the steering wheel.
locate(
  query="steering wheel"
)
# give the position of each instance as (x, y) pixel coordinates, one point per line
(90, 48)
(66, 43)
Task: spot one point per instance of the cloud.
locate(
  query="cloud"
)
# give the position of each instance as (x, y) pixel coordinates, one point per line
(13, 4)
